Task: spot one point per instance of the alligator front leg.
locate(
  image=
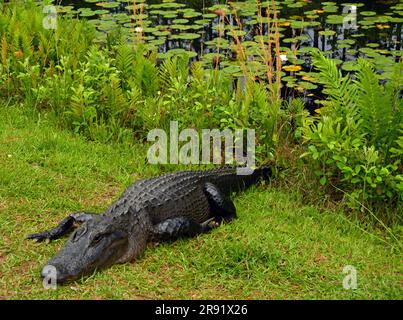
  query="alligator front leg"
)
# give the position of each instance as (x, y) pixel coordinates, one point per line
(180, 227)
(64, 227)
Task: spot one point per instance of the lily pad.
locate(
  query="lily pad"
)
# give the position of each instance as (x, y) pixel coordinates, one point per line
(186, 36)
(327, 32)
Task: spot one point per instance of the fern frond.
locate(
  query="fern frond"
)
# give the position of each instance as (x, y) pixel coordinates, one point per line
(4, 48)
(147, 76)
(115, 99)
(174, 69)
(168, 72)
(197, 72)
(341, 93)
(125, 59)
(135, 94)
(393, 88)
(375, 106)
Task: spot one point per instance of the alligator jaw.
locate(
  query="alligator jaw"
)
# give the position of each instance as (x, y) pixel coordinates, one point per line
(59, 277)
(97, 244)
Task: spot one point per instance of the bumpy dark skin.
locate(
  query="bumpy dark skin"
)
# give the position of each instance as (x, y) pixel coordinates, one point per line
(164, 208)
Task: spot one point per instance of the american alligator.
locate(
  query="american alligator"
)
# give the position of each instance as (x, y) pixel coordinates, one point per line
(163, 208)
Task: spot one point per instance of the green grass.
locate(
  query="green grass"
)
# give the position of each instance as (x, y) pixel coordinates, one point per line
(279, 248)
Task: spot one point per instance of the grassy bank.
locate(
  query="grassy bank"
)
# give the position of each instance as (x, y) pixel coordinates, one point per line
(278, 248)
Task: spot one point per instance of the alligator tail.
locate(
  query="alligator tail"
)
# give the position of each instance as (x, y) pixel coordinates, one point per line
(265, 172)
(243, 182)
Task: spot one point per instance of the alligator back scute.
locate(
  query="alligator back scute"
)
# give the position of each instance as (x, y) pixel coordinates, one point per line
(184, 197)
(168, 196)
(179, 193)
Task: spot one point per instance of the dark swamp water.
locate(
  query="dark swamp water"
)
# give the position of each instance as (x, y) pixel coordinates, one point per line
(210, 29)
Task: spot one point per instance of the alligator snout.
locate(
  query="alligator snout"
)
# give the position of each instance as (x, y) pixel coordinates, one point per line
(56, 273)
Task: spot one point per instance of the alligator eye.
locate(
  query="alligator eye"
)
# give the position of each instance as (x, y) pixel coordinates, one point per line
(78, 233)
(97, 239)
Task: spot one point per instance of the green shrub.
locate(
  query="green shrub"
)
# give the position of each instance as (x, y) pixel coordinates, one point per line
(356, 141)
(25, 42)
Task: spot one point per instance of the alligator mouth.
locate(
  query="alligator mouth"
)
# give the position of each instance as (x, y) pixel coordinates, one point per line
(60, 277)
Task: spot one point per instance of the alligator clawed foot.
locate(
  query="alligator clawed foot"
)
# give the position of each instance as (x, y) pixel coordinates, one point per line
(39, 237)
(210, 224)
(214, 224)
(217, 224)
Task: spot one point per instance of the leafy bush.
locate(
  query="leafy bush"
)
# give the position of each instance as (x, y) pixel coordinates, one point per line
(356, 142)
(31, 54)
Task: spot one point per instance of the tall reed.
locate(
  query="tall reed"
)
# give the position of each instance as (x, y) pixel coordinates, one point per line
(137, 23)
(271, 58)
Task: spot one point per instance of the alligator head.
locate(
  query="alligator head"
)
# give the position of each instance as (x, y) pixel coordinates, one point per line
(97, 244)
